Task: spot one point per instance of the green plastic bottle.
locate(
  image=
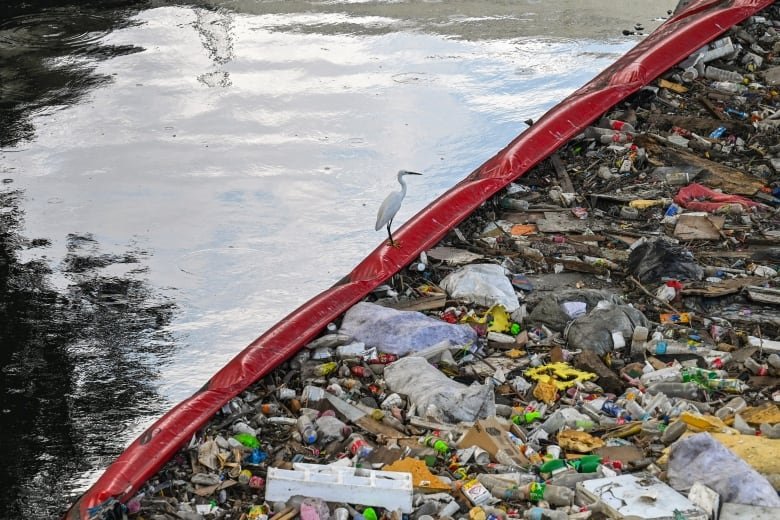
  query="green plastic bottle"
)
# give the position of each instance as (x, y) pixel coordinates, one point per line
(247, 439)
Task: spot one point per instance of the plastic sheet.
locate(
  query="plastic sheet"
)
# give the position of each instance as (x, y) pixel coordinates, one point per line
(677, 38)
(696, 197)
(401, 332)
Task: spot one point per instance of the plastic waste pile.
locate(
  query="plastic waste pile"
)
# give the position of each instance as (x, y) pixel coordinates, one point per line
(600, 340)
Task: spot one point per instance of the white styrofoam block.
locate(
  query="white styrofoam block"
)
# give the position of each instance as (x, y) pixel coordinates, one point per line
(638, 496)
(388, 489)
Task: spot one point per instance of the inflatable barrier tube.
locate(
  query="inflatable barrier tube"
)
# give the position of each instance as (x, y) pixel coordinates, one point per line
(674, 40)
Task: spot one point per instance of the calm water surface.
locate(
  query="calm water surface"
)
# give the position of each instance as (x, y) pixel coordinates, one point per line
(177, 177)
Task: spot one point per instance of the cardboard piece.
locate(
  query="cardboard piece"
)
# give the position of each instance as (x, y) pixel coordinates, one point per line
(491, 435)
(561, 223)
(699, 226)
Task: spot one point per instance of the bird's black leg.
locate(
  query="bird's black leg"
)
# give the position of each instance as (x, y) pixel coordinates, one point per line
(389, 233)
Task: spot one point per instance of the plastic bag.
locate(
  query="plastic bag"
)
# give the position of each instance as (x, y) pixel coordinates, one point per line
(605, 328)
(559, 309)
(702, 458)
(401, 332)
(655, 259)
(436, 396)
(483, 284)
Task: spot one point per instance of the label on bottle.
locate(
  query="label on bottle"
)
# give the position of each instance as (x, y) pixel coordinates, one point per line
(536, 491)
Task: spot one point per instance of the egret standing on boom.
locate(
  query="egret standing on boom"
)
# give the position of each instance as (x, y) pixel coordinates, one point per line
(391, 205)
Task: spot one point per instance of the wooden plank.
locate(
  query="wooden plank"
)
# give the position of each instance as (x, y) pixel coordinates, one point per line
(730, 180)
(563, 175)
(426, 303)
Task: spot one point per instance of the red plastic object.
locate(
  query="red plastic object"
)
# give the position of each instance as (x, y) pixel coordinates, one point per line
(673, 41)
(701, 198)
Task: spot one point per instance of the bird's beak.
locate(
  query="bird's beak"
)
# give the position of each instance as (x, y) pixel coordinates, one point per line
(413, 173)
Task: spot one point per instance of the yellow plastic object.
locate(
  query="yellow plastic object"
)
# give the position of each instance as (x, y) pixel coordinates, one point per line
(422, 478)
(648, 203)
(674, 87)
(562, 375)
(496, 318)
(546, 391)
(704, 423)
(581, 442)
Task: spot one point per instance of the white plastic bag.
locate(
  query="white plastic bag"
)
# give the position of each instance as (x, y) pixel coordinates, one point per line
(483, 284)
(436, 396)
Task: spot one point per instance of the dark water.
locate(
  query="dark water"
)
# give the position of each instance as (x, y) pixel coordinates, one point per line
(179, 176)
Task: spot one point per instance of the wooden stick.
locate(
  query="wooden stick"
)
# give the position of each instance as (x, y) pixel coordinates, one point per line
(286, 513)
(653, 296)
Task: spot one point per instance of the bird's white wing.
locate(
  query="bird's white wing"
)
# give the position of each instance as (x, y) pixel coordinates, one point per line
(388, 209)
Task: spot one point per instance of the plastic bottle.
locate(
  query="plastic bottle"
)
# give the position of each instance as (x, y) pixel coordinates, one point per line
(269, 408)
(722, 74)
(728, 86)
(554, 495)
(506, 479)
(684, 390)
(613, 410)
(734, 406)
(774, 361)
(637, 412)
(514, 204)
(700, 375)
(331, 429)
(438, 445)
(248, 440)
(719, 51)
(526, 418)
(620, 126)
(665, 374)
(755, 367)
(731, 386)
(718, 359)
(540, 513)
(673, 432)
(358, 446)
(307, 429)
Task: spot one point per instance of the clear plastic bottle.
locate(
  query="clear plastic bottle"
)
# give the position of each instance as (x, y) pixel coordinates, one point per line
(515, 479)
(307, 429)
(684, 390)
(554, 495)
(637, 412)
(541, 513)
(755, 367)
(673, 432)
(774, 361)
(728, 86)
(722, 74)
(358, 446)
(331, 429)
(734, 406)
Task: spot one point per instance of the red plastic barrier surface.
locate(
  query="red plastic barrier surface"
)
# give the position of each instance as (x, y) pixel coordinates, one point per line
(673, 41)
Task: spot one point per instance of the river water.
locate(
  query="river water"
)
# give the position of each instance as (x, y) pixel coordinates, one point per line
(178, 177)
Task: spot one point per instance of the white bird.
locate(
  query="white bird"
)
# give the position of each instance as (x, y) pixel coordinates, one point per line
(391, 205)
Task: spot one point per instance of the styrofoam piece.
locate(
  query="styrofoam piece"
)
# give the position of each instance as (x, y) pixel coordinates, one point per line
(731, 511)
(767, 345)
(638, 495)
(388, 489)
